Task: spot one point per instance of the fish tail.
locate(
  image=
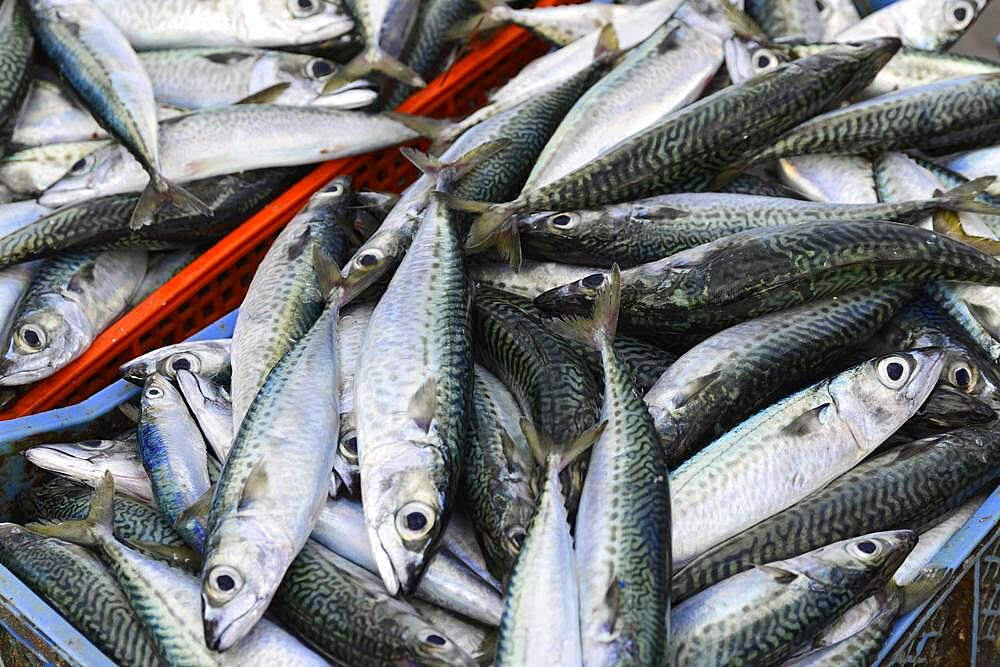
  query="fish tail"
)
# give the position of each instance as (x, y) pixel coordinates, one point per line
(964, 197)
(331, 283)
(928, 582)
(495, 226)
(494, 14)
(449, 173)
(542, 447)
(157, 195)
(89, 531)
(435, 129)
(947, 223)
(602, 325)
(374, 60)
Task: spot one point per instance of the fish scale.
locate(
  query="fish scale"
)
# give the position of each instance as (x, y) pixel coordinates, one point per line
(791, 19)
(82, 590)
(16, 44)
(909, 487)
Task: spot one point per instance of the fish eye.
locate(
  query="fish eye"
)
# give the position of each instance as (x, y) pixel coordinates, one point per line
(866, 550)
(764, 60)
(564, 220)
(95, 445)
(369, 259)
(82, 166)
(516, 535)
(153, 392)
(960, 14)
(31, 338)
(335, 189)
(224, 583)
(821, 7)
(183, 362)
(349, 447)
(593, 281)
(963, 376)
(319, 68)
(414, 521)
(304, 8)
(437, 640)
(893, 371)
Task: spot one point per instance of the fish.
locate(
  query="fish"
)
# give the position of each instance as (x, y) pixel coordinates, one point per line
(87, 461)
(541, 617)
(63, 574)
(972, 164)
(474, 639)
(932, 539)
(285, 298)
(150, 25)
(16, 47)
(50, 115)
(208, 358)
(676, 294)
(171, 620)
(197, 78)
(351, 329)
(795, 447)
(103, 69)
(924, 24)
(945, 409)
(801, 595)
(385, 26)
(174, 455)
(836, 17)
(210, 406)
(28, 172)
(728, 376)
(533, 279)
(911, 486)
(412, 386)
(788, 19)
(162, 267)
(72, 299)
(210, 142)
(560, 25)
(622, 527)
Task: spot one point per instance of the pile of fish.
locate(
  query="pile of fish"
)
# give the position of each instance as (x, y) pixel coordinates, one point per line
(682, 350)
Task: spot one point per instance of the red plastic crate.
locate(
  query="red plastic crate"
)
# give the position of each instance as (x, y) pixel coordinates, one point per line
(215, 283)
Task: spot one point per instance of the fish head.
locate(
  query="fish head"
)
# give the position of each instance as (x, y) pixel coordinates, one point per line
(405, 513)
(345, 465)
(431, 646)
(209, 359)
(967, 372)
(158, 396)
(880, 395)
(42, 341)
(376, 256)
(850, 67)
(576, 298)
(92, 176)
(941, 23)
(555, 231)
(354, 95)
(202, 394)
(88, 460)
(308, 76)
(863, 562)
(292, 22)
(243, 567)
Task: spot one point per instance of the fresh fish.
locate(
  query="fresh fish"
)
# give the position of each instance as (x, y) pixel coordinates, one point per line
(795, 20)
(88, 460)
(351, 329)
(207, 358)
(212, 142)
(151, 24)
(171, 620)
(447, 583)
(751, 183)
(162, 267)
(461, 541)
(97, 60)
(795, 447)
(622, 528)
(647, 164)
(541, 617)
(29, 172)
(667, 71)
(949, 122)
(64, 575)
(923, 24)
(14, 215)
(497, 473)
(136, 521)
(649, 229)
(412, 386)
(15, 281)
(207, 77)
(16, 46)
(103, 224)
(837, 179)
(721, 283)
(210, 405)
(385, 26)
(912, 486)
(533, 278)
(71, 301)
(560, 25)
(51, 116)
(473, 638)
(945, 409)
(174, 455)
(285, 298)
(759, 617)
(272, 485)
(742, 369)
(982, 162)
(932, 539)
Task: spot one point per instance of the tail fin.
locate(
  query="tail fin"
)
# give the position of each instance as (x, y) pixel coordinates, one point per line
(431, 128)
(495, 227)
(447, 174)
(267, 95)
(542, 447)
(374, 60)
(99, 520)
(964, 197)
(158, 194)
(495, 14)
(327, 274)
(604, 322)
(947, 223)
(742, 24)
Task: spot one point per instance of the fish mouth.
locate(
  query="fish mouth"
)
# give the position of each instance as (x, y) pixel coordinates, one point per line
(565, 299)
(219, 634)
(400, 575)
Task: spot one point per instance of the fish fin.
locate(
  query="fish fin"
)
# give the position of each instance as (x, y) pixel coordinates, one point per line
(603, 323)
(963, 197)
(198, 510)
(423, 405)
(493, 227)
(536, 442)
(327, 272)
(608, 48)
(581, 444)
(82, 280)
(613, 599)
(987, 319)
(723, 178)
(184, 557)
(255, 485)
(431, 128)
(267, 95)
(488, 20)
(696, 385)
(947, 223)
(158, 194)
(928, 582)
(778, 574)
(130, 411)
(99, 519)
(808, 422)
(373, 60)
(447, 173)
(743, 24)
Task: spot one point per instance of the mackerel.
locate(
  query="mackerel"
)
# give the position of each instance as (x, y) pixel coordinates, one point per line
(16, 46)
(208, 358)
(87, 461)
